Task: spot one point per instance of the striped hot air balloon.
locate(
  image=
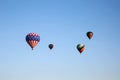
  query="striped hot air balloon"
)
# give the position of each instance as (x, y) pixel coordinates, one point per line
(32, 39)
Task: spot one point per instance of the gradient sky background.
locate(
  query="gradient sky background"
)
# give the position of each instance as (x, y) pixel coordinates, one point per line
(64, 23)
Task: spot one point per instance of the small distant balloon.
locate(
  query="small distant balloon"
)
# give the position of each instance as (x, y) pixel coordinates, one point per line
(50, 46)
(89, 34)
(32, 39)
(80, 47)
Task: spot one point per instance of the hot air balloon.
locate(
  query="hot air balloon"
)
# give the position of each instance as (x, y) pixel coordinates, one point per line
(89, 34)
(80, 47)
(50, 46)
(32, 39)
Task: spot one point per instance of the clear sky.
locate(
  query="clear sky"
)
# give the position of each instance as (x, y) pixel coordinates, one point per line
(63, 23)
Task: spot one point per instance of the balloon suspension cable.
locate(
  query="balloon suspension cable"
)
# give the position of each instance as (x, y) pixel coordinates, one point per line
(32, 48)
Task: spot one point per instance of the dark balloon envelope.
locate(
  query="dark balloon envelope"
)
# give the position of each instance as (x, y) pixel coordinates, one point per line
(50, 46)
(32, 39)
(80, 47)
(89, 34)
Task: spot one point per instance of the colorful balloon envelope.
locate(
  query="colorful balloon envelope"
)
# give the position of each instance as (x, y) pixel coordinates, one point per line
(50, 46)
(89, 34)
(32, 39)
(80, 47)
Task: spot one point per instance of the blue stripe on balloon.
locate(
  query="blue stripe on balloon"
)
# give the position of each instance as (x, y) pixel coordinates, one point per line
(31, 37)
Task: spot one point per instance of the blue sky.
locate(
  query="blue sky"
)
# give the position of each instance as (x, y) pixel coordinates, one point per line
(63, 23)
